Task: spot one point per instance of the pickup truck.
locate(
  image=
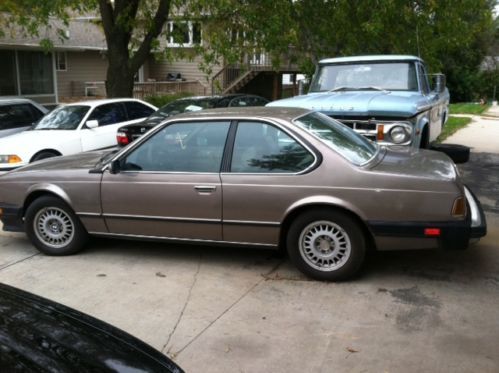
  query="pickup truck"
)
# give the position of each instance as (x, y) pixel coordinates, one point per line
(387, 98)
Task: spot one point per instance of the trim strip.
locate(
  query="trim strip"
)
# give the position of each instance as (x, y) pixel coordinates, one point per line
(252, 222)
(182, 239)
(161, 218)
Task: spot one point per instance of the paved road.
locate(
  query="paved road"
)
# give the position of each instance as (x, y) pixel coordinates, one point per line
(230, 310)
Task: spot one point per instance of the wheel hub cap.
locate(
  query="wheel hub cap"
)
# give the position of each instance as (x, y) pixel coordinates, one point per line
(54, 227)
(325, 246)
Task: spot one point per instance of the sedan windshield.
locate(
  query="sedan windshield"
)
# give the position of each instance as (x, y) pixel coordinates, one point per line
(393, 76)
(63, 118)
(342, 139)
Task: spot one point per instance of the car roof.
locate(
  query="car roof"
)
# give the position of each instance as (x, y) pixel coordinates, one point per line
(262, 112)
(94, 103)
(372, 58)
(216, 97)
(14, 100)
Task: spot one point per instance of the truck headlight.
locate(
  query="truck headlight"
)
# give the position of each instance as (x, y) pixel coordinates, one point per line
(399, 134)
(10, 158)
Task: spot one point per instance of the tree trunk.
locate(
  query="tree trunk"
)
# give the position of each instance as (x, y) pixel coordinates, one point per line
(119, 82)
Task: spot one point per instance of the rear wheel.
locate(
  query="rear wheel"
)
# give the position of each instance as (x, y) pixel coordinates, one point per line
(54, 228)
(326, 245)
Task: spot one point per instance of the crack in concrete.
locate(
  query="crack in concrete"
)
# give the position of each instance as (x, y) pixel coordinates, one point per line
(262, 279)
(18, 261)
(184, 307)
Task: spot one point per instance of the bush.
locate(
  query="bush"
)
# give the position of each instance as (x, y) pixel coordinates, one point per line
(162, 100)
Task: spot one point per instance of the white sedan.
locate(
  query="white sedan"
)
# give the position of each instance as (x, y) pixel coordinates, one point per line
(72, 128)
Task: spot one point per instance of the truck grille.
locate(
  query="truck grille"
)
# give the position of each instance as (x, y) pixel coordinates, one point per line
(359, 125)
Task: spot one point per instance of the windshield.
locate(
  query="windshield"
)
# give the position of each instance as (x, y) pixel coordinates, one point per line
(392, 76)
(63, 118)
(181, 106)
(354, 147)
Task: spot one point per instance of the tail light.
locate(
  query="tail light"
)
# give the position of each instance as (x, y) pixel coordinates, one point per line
(459, 207)
(122, 139)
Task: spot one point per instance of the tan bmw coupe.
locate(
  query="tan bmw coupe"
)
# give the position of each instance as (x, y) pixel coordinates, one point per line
(269, 177)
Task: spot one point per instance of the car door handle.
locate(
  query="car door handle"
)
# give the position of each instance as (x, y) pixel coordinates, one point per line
(205, 188)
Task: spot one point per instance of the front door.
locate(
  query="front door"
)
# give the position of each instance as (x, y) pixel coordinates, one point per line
(169, 186)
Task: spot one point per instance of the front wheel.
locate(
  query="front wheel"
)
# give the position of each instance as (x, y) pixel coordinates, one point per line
(54, 228)
(326, 245)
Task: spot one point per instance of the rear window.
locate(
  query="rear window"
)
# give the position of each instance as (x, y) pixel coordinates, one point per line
(342, 139)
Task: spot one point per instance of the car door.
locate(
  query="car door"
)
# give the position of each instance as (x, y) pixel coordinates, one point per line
(263, 181)
(433, 100)
(110, 117)
(169, 185)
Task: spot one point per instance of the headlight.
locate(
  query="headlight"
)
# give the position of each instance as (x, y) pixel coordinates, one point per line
(399, 134)
(10, 158)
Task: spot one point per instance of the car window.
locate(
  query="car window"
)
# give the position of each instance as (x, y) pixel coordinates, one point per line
(181, 147)
(63, 118)
(342, 139)
(263, 148)
(109, 114)
(423, 76)
(136, 110)
(15, 116)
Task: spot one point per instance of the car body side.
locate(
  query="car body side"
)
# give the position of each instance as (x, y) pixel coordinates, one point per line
(257, 208)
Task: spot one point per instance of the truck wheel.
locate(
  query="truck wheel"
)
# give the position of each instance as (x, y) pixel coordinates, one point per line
(458, 153)
(425, 139)
(53, 227)
(326, 245)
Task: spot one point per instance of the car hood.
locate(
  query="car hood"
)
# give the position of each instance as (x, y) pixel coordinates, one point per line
(37, 334)
(87, 160)
(42, 139)
(416, 163)
(359, 103)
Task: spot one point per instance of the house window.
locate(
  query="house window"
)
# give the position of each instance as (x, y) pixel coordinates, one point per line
(60, 61)
(35, 73)
(8, 77)
(184, 33)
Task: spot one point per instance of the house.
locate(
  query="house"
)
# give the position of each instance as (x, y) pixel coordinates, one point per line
(76, 66)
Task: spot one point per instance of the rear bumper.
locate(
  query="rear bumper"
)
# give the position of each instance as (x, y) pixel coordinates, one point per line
(454, 235)
(12, 218)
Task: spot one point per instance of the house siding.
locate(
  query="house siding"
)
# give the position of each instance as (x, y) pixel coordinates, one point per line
(188, 68)
(87, 66)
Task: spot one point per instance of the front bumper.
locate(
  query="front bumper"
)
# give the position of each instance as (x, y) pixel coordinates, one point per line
(12, 218)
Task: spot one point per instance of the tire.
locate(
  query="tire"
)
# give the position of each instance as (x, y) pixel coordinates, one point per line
(458, 153)
(326, 245)
(53, 227)
(425, 139)
(43, 155)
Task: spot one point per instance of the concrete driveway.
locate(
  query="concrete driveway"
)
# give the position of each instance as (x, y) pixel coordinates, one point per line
(234, 310)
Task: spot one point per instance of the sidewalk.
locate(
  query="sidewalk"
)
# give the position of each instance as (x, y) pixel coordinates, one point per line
(481, 135)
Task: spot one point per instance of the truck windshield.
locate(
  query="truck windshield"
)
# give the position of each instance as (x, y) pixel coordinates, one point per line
(392, 76)
(354, 147)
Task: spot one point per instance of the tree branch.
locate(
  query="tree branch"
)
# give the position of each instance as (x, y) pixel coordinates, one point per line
(158, 22)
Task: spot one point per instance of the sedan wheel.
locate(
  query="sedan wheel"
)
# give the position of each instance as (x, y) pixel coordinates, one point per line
(54, 228)
(326, 245)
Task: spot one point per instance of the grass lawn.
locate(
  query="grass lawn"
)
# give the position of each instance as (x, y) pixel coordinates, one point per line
(467, 108)
(453, 124)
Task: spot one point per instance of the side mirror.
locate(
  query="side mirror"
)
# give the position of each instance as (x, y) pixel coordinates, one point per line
(92, 124)
(115, 166)
(439, 83)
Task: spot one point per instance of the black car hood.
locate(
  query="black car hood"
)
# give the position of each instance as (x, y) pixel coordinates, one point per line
(37, 334)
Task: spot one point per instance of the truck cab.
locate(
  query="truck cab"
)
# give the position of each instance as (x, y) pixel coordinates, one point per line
(386, 98)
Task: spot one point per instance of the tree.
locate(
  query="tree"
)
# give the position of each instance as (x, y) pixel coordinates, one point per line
(451, 35)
